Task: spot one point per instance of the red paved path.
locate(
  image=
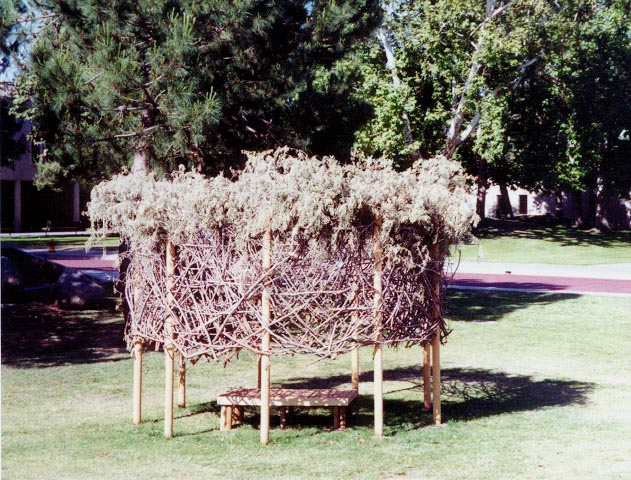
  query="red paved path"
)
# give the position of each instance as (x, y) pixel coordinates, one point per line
(85, 263)
(466, 280)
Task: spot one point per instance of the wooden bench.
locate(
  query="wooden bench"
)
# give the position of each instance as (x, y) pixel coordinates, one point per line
(232, 402)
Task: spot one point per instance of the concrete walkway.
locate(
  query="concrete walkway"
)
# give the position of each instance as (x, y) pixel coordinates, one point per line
(616, 271)
(611, 279)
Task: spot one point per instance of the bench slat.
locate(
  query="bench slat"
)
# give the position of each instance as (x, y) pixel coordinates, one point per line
(289, 397)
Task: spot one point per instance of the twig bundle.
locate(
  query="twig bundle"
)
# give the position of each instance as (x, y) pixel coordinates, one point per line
(321, 216)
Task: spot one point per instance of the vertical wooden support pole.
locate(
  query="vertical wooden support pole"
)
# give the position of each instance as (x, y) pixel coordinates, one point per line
(437, 265)
(137, 397)
(378, 355)
(355, 352)
(265, 342)
(355, 369)
(169, 349)
(258, 367)
(181, 383)
(427, 388)
(436, 377)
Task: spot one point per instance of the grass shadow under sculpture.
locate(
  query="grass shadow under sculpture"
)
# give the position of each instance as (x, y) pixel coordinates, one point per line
(468, 394)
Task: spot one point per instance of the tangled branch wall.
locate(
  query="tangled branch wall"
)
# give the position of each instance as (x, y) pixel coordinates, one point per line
(326, 222)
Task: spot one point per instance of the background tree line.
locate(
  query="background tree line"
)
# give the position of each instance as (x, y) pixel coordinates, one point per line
(533, 93)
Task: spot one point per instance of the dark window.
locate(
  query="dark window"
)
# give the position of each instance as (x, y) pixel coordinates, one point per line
(523, 204)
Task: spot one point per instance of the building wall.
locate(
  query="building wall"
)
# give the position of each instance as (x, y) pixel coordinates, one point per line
(24, 207)
(538, 203)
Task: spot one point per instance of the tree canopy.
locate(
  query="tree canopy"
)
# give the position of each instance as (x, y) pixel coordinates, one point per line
(531, 94)
(162, 83)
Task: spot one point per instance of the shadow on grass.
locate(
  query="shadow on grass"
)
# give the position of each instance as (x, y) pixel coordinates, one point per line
(468, 394)
(39, 336)
(491, 306)
(563, 235)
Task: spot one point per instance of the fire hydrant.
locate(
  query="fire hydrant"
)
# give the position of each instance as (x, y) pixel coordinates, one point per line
(51, 246)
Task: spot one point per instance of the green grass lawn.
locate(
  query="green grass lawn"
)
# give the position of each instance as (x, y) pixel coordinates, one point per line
(520, 242)
(537, 386)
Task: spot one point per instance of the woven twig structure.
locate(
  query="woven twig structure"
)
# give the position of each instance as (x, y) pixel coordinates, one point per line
(320, 306)
(326, 222)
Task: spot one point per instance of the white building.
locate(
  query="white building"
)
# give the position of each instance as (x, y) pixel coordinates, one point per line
(524, 202)
(23, 206)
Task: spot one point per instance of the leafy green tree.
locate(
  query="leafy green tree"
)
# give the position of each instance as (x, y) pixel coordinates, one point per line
(561, 127)
(155, 84)
(523, 93)
(453, 65)
(595, 70)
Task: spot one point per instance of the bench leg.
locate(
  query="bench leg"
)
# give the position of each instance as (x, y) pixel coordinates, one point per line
(229, 410)
(222, 418)
(342, 417)
(283, 416)
(237, 414)
(225, 418)
(336, 418)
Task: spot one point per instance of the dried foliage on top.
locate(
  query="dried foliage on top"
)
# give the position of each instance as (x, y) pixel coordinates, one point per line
(325, 220)
(299, 197)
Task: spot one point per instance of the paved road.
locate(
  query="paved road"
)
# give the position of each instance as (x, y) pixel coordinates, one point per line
(612, 279)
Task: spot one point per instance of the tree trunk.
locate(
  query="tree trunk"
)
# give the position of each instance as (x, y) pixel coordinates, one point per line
(392, 65)
(600, 215)
(506, 208)
(141, 153)
(483, 184)
(578, 219)
(558, 206)
(141, 164)
(480, 201)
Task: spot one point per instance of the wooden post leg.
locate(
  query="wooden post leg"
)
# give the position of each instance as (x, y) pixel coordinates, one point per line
(378, 325)
(265, 394)
(265, 342)
(378, 390)
(427, 388)
(169, 348)
(168, 390)
(137, 397)
(436, 378)
(355, 369)
(437, 315)
(181, 384)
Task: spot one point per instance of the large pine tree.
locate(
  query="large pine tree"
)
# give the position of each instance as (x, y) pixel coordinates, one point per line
(155, 84)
